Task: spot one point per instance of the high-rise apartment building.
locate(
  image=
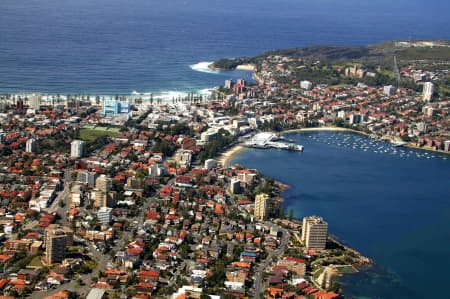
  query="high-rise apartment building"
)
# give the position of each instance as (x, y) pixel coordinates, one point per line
(114, 107)
(103, 183)
(306, 85)
(314, 232)
(53, 227)
(34, 101)
(30, 146)
(235, 186)
(104, 215)
(428, 90)
(86, 177)
(104, 199)
(389, 90)
(76, 149)
(55, 248)
(261, 206)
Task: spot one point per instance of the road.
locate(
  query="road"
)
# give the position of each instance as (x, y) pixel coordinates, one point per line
(64, 195)
(258, 283)
(179, 269)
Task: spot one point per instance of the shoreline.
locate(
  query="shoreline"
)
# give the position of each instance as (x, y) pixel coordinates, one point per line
(246, 67)
(426, 149)
(339, 129)
(225, 157)
(242, 67)
(331, 129)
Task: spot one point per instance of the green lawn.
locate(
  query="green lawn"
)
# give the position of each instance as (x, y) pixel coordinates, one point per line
(390, 74)
(339, 85)
(92, 134)
(36, 262)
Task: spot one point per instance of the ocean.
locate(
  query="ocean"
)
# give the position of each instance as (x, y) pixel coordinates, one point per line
(389, 203)
(162, 47)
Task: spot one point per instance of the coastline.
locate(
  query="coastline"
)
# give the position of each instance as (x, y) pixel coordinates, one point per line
(425, 148)
(337, 129)
(211, 66)
(228, 154)
(242, 67)
(246, 67)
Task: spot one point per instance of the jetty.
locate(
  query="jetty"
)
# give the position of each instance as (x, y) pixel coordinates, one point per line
(271, 140)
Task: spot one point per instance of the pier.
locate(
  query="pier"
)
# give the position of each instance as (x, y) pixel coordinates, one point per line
(270, 140)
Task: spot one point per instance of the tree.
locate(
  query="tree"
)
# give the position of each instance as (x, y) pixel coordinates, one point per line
(405, 138)
(184, 251)
(281, 212)
(339, 122)
(217, 277)
(291, 213)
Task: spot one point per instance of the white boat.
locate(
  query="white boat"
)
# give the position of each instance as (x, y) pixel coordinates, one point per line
(398, 143)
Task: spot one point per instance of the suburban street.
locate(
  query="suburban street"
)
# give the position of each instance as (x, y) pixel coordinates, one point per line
(100, 258)
(258, 282)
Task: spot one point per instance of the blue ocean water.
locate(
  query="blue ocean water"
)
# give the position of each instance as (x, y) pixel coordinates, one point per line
(118, 46)
(391, 204)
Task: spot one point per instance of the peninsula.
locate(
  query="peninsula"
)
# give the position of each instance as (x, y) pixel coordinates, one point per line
(395, 91)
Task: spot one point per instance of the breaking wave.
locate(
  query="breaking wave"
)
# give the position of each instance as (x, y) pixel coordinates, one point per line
(204, 67)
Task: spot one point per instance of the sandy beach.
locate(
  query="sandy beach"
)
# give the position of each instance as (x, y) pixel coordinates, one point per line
(246, 67)
(226, 156)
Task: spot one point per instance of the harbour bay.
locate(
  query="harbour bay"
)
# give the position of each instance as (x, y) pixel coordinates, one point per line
(389, 203)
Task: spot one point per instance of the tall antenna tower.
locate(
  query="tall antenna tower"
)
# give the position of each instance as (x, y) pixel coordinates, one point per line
(396, 73)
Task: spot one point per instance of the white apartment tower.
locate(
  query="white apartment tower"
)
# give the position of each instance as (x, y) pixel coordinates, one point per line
(389, 90)
(76, 149)
(306, 85)
(103, 183)
(428, 89)
(34, 101)
(314, 232)
(30, 145)
(104, 215)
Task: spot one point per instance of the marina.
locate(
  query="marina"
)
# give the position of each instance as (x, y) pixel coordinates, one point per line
(364, 185)
(361, 143)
